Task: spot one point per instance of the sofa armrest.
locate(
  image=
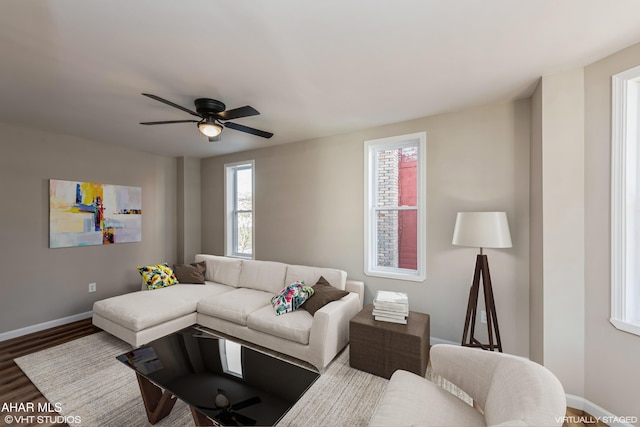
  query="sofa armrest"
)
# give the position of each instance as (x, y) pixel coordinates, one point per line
(507, 387)
(356, 286)
(330, 330)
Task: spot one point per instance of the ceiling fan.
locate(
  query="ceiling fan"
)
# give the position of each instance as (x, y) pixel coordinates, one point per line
(228, 415)
(213, 116)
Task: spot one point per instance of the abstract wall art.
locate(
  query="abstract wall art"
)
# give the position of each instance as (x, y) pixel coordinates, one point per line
(87, 213)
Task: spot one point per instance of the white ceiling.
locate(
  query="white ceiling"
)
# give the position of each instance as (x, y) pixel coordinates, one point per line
(312, 68)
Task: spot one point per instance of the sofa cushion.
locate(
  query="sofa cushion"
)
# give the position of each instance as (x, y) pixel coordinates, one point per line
(295, 326)
(323, 294)
(236, 305)
(311, 275)
(221, 269)
(143, 309)
(190, 273)
(265, 276)
(409, 399)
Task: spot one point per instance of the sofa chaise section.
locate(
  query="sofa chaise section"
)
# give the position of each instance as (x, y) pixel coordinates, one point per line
(143, 316)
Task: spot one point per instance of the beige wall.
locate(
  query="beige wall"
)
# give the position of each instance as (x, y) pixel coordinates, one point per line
(39, 284)
(557, 268)
(536, 264)
(189, 211)
(309, 210)
(570, 238)
(612, 369)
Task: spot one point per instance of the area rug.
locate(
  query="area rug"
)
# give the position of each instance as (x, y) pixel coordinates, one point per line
(85, 381)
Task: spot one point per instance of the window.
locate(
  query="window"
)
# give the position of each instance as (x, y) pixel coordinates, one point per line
(239, 209)
(231, 357)
(625, 201)
(395, 207)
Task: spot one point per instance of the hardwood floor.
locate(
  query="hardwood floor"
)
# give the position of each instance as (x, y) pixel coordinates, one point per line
(15, 387)
(580, 418)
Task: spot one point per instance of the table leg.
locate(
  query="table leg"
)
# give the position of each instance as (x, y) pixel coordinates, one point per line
(201, 419)
(157, 402)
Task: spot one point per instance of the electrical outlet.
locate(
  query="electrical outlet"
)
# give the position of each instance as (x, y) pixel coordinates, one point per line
(92, 287)
(483, 316)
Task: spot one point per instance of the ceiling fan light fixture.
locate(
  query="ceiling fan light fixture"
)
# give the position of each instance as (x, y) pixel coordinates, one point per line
(212, 114)
(209, 128)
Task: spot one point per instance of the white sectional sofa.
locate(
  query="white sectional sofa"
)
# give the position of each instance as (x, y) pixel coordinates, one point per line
(236, 300)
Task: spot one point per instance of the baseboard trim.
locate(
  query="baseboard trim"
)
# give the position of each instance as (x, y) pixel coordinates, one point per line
(4, 336)
(598, 412)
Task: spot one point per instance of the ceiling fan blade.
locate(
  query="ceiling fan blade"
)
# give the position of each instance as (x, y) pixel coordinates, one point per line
(237, 113)
(242, 419)
(225, 419)
(169, 121)
(246, 403)
(247, 129)
(179, 107)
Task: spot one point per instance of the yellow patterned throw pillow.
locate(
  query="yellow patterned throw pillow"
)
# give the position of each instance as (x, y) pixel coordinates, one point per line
(157, 276)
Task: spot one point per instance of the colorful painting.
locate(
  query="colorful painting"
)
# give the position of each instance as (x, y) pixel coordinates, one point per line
(86, 213)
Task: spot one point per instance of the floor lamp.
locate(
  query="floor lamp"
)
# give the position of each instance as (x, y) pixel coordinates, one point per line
(482, 230)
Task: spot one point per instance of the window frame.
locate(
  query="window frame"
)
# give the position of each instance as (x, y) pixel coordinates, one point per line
(371, 147)
(625, 138)
(231, 210)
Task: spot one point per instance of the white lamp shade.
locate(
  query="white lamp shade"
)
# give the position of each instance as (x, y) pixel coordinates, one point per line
(482, 230)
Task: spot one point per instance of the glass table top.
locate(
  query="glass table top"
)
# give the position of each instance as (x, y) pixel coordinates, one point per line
(228, 382)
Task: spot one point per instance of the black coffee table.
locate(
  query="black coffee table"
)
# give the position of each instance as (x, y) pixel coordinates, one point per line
(224, 383)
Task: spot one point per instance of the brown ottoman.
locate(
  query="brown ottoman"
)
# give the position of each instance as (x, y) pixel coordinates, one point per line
(381, 348)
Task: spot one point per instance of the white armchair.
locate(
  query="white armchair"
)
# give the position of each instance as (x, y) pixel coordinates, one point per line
(507, 391)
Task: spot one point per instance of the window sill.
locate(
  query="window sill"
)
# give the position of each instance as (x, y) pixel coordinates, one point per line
(397, 275)
(626, 326)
